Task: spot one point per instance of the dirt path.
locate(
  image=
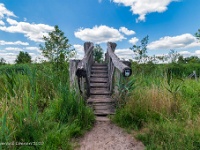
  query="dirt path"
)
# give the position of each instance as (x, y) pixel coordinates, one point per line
(107, 136)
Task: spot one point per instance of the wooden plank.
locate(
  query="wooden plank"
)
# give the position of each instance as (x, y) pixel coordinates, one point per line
(99, 67)
(100, 100)
(99, 80)
(116, 61)
(99, 64)
(104, 112)
(103, 107)
(99, 85)
(99, 71)
(99, 92)
(100, 75)
(100, 96)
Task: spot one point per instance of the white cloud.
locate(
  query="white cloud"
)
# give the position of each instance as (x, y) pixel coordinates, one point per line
(4, 12)
(17, 49)
(34, 49)
(99, 34)
(11, 21)
(197, 52)
(79, 51)
(144, 7)
(32, 31)
(2, 23)
(188, 54)
(181, 41)
(13, 43)
(126, 31)
(99, 1)
(124, 53)
(133, 40)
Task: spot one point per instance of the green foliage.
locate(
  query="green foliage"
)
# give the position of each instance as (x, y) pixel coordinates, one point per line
(191, 59)
(173, 55)
(23, 57)
(98, 53)
(141, 51)
(37, 105)
(2, 61)
(197, 34)
(125, 87)
(56, 48)
(163, 110)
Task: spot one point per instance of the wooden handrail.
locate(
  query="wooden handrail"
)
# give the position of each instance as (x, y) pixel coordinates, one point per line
(124, 69)
(115, 63)
(84, 66)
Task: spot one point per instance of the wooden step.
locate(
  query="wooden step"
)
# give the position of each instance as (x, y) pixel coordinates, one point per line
(99, 91)
(104, 112)
(99, 67)
(100, 75)
(100, 96)
(103, 107)
(100, 100)
(99, 71)
(99, 85)
(99, 64)
(98, 80)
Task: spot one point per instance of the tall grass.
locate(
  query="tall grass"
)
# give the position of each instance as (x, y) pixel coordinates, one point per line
(164, 111)
(39, 110)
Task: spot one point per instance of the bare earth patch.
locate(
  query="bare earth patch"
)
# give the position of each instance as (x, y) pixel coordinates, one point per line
(107, 136)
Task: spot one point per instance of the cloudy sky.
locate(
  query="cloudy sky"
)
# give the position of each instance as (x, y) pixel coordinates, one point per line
(170, 24)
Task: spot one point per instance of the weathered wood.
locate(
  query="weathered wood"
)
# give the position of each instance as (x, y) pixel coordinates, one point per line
(100, 100)
(100, 75)
(99, 67)
(104, 112)
(99, 71)
(84, 66)
(99, 91)
(124, 69)
(99, 80)
(72, 70)
(99, 85)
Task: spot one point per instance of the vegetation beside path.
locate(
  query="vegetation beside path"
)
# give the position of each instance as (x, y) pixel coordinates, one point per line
(164, 106)
(38, 109)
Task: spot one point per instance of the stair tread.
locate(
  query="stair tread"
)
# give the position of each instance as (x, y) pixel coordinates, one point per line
(94, 84)
(99, 71)
(99, 67)
(104, 107)
(100, 100)
(99, 80)
(100, 96)
(99, 64)
(104, 112)
(101, 75)
(99, 92)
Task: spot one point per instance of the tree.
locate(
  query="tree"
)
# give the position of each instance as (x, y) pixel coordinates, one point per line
(192, 59)
(2, 61)
(23, 57)
(197, 34)
(56, 48)
(173, 55)
(181, 60)
(141, 51)
(98, 53)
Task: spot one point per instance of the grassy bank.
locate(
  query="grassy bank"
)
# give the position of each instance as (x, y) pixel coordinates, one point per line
(163, 108)
(38, 109)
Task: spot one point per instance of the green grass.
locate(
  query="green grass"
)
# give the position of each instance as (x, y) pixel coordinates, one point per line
(162, 109)
(38, 107)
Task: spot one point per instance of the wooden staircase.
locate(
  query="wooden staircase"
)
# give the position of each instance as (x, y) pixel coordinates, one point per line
(100, 97)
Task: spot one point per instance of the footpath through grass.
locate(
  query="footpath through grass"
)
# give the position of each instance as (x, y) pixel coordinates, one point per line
(38, 110)
(163, 109)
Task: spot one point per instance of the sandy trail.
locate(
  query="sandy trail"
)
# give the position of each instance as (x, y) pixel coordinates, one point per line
(107, 136)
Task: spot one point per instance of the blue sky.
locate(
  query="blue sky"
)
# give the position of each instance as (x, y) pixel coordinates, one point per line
(170, 24)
